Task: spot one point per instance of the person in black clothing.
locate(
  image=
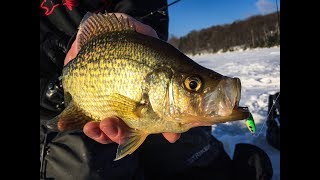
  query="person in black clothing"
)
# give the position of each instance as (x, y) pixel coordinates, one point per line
(89, 154)
(273, 126)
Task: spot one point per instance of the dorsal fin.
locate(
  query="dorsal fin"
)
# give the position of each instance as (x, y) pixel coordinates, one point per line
(93, 25)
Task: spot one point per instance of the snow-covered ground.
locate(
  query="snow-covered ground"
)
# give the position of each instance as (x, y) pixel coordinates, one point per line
(259, 71)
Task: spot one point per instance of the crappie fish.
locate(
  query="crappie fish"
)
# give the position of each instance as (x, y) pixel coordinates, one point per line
(149, 84)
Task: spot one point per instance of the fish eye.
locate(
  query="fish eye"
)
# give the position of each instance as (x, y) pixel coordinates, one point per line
(193, 83)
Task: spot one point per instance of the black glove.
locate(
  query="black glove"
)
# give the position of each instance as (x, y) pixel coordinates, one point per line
(53, 50)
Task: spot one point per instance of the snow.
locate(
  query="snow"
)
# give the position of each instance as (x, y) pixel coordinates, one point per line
(259, 71)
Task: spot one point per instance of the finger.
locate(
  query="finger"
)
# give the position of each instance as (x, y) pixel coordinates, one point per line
(146, 30)
(72, 53)
(115, 129)
(171, 137)
(93, 131)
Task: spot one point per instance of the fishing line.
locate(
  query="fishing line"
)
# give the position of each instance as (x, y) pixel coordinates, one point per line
(160, 10)
(268, 116)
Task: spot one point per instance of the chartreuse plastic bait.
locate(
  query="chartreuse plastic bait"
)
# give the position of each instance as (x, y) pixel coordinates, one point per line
(250, 124)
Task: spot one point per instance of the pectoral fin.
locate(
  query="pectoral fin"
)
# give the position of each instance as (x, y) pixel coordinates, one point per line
(124, 107)
(134, 139)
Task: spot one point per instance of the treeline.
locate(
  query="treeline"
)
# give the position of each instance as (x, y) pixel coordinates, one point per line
(255, 31)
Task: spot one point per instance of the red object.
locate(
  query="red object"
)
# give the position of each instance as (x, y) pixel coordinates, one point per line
(49, 6)
(70, 3)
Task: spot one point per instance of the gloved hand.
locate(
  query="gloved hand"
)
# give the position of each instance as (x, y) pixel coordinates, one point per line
(55, 48)
(52, 53)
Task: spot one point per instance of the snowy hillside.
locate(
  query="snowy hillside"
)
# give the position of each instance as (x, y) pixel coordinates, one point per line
(259, 71)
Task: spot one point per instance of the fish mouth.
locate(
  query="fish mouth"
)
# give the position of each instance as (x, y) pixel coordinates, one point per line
(223, 99)
(220, 105)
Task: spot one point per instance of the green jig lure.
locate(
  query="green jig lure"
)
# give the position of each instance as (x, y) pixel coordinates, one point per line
(250, 124)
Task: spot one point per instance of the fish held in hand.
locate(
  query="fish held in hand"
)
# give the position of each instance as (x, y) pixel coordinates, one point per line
(149, 84)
